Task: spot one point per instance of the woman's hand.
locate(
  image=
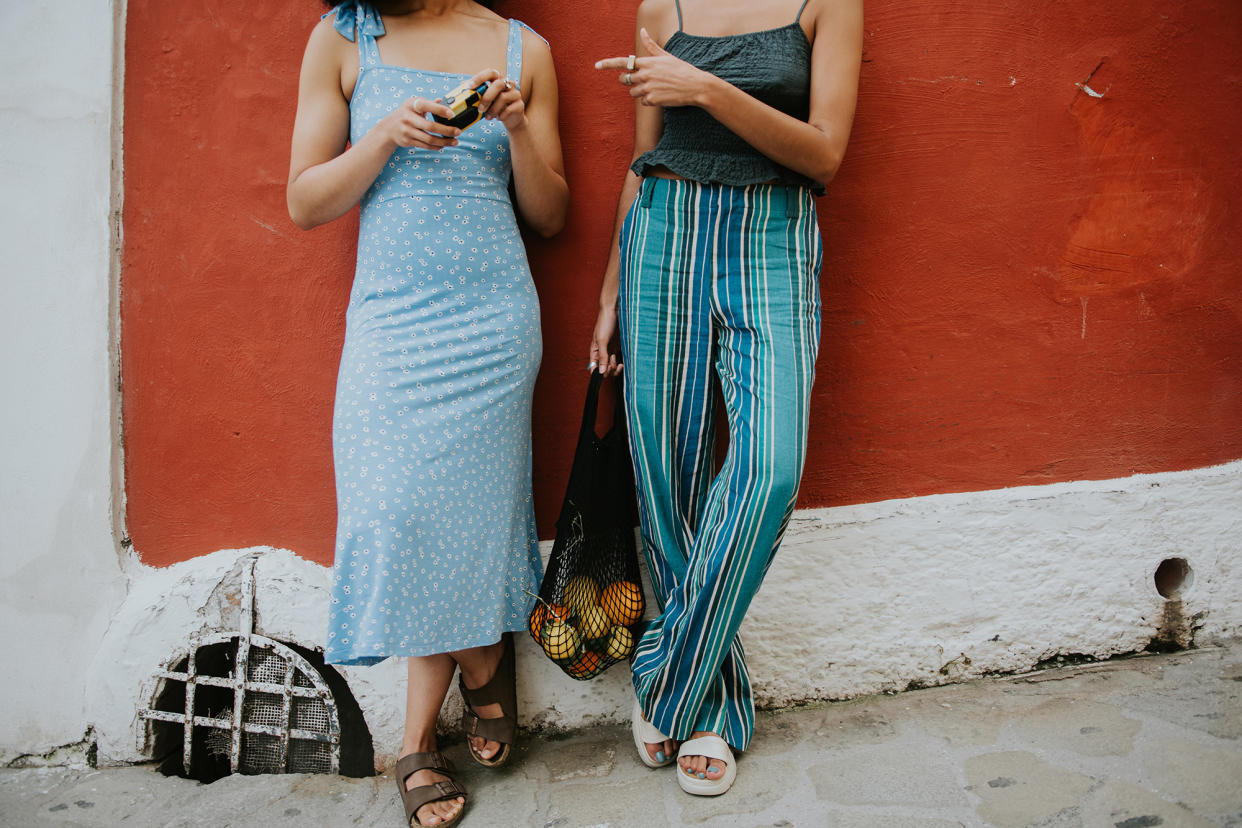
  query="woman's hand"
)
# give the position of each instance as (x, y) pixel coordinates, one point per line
(605, 356)
(660, 79)
(502, 101)
(409, 126)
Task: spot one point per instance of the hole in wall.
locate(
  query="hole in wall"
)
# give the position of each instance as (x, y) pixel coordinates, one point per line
(1173, 576)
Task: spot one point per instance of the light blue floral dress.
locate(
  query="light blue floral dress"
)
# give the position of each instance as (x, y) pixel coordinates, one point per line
(435, 539)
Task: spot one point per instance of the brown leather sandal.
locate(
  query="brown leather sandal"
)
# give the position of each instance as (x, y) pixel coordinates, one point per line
(416, 798)
(502, 690)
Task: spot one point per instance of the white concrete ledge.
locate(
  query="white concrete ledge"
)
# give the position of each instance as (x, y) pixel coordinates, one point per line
(862, 599)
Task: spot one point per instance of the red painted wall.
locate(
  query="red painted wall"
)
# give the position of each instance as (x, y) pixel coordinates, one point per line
(1023, 282)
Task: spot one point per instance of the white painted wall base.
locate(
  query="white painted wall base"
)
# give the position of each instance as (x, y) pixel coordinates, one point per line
(862, 599)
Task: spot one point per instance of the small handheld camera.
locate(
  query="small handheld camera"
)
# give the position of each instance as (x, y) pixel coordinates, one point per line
(464, 101)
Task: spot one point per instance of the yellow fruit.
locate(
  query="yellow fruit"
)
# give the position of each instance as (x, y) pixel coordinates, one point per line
(620, 643)
(593, 623)
(623, 601)
(561, 642)
(581, 592)
(542, 613)
(584, 668)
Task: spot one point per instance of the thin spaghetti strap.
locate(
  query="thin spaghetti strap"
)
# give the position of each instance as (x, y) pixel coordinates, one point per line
(680, 25)
(801, 9)
(513, 53)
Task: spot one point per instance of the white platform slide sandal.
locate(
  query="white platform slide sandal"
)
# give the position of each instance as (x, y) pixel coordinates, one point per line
(646, 734)
(713, 747)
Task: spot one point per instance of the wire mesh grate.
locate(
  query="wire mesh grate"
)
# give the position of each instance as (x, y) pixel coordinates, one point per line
(273, 691)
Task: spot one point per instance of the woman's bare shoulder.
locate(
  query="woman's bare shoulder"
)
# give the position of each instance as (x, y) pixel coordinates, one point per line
(656, 8)
(326, 43)
(833, 11)
(658, 17)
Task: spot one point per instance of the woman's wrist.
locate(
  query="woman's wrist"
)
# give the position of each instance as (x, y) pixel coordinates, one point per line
(521, 129)
(710, 91)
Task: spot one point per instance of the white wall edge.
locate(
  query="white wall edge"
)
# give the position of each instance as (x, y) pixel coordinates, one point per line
(861, 599)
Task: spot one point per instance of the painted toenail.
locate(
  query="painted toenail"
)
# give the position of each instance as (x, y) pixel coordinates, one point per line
(659, 756)
(713, 769)
(701, 776)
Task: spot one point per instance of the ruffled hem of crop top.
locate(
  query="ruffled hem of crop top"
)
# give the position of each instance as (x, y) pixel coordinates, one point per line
(719, 168)
(710, 153)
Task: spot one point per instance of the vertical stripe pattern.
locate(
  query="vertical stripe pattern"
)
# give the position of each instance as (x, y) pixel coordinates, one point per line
(719, 288)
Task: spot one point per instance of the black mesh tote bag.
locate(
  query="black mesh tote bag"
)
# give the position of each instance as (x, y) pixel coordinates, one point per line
(590, 608)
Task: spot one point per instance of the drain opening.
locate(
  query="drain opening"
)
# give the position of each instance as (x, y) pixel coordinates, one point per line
(320, 731)
(1173, 575)
(243, 703)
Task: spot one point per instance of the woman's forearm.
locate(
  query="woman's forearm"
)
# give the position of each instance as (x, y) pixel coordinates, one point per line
(542, 192)
(813, 150)
(609, 287)
(327, 191)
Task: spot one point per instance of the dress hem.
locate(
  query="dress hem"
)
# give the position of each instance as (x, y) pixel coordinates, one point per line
(370, 660)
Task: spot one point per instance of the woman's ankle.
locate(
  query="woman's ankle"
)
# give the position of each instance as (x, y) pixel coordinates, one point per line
(418, 744)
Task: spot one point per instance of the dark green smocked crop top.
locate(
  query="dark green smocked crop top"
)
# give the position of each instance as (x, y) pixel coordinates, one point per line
(774, 66)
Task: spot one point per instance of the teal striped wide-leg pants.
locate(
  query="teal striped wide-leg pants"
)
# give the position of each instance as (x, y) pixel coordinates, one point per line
(717, 284)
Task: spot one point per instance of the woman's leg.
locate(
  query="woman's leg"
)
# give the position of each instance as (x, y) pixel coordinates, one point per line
(765, 304)
(667, 346)
(428, 684)
(478, 665)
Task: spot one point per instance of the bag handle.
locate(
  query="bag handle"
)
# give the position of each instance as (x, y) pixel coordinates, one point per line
(590, 410)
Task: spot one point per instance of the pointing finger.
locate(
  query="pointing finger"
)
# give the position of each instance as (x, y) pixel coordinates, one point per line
(612, 63)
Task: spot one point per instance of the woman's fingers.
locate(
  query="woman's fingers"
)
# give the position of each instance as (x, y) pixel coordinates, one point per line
(422, 107)
(495, 88)
(507, 104)
(622, 63)
(418, 130)
(485, 76)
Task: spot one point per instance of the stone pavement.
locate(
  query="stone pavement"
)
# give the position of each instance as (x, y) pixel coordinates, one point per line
(1133, 743)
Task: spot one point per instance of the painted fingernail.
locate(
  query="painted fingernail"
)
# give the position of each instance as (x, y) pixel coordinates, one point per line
(659, 756)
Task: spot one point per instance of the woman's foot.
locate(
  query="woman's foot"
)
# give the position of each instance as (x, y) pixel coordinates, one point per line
(702, 767)
(655, 750)
(433, 813)
(487, 748)
(488, 691)
(661, 752)
(442, 808)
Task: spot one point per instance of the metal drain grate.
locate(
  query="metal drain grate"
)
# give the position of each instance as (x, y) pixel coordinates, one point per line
(283, 717)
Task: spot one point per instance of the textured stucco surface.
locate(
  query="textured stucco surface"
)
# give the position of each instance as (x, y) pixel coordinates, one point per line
(1024, 282)
(862, 599)
(59, 579)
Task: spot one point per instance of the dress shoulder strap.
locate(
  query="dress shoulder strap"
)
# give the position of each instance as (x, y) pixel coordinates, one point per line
(513, 54)
(801, 9)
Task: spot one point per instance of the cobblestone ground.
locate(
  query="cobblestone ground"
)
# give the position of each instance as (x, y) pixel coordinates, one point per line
(1133, 743)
